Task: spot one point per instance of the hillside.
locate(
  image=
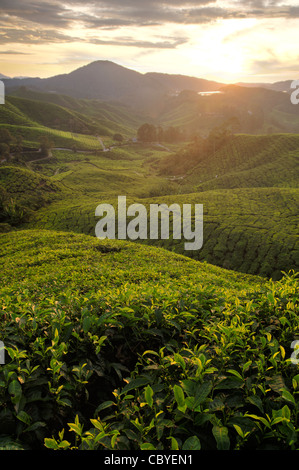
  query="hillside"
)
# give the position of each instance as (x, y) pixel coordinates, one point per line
(248, 231)
(241, 161)
(143, 345)
(116, 117)
(79, 318)
(255, 110)
(168, 99)
(77, 117)
(53, 115)
(101, 80)
(22, 192)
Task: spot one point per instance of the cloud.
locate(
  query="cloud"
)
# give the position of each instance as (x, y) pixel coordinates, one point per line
(41, 13)
(270, 66)
(11, 52)
(33, 36)
(43, 21)
(126, 41)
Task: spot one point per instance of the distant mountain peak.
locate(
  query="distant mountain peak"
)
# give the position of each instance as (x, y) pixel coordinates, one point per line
(106, 80)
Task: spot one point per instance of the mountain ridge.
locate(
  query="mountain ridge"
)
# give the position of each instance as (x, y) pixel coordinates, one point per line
(153, 94)
(162, 77)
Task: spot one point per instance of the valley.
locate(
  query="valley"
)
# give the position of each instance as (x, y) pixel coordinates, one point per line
(143, 345)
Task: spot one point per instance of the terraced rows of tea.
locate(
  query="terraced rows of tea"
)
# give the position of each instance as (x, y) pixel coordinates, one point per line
(123, 345)
(244, 161)
(244, 230)
(118, 346)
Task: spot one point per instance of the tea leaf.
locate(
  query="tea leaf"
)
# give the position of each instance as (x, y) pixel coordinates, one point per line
(221, 436)
(192, 443)
(135, 383)
(148, 393)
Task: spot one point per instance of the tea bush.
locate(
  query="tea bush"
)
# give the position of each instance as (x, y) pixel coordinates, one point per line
(113, 345)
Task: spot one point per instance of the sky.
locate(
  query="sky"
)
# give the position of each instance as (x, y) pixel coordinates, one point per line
(228, 41)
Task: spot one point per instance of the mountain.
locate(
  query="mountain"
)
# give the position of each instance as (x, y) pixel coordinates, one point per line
(284, 85)
(170, 99)
(101, 80)
(178, 83)
(256, 110)
(107, 81)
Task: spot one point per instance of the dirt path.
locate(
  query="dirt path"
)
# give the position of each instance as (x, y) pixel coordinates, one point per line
(163, 147)
(105, 149)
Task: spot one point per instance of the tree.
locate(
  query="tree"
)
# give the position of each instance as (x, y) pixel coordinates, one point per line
(45, 145)
(4, 150)
(147, 133)
(160, 134)
(217, 137)
(172, 135)
(5, 137)
(18, 144)
(233, 124)
(118, 138)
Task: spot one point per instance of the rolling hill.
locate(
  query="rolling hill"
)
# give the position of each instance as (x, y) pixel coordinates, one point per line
(141, 345)
(248, 231)
(249, 189)
(241, 161)
(118, 346)
(116, 116)
(65, 114)
(256, 110)
(169, 98)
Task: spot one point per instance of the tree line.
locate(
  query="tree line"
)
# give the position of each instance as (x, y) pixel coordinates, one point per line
(10, 144)
(150, 133)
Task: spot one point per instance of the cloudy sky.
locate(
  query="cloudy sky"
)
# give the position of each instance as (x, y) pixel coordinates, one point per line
(229, 41)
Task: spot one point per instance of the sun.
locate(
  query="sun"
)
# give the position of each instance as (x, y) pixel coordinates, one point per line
(211, 52)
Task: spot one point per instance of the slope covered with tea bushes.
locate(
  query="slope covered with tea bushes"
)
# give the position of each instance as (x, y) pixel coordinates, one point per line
(22, 192)
(253, 231)
(241, 161)
(114, 345)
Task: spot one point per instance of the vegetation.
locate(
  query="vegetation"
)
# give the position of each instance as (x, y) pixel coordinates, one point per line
(224, 160)
(22, 192)
(150, 133)
(27, 107)
(257, 111)
(111, 345)
(123, 345)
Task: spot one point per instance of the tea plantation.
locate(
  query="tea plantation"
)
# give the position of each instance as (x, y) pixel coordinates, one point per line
(252, 231)
(114, 345)
(121, 345)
